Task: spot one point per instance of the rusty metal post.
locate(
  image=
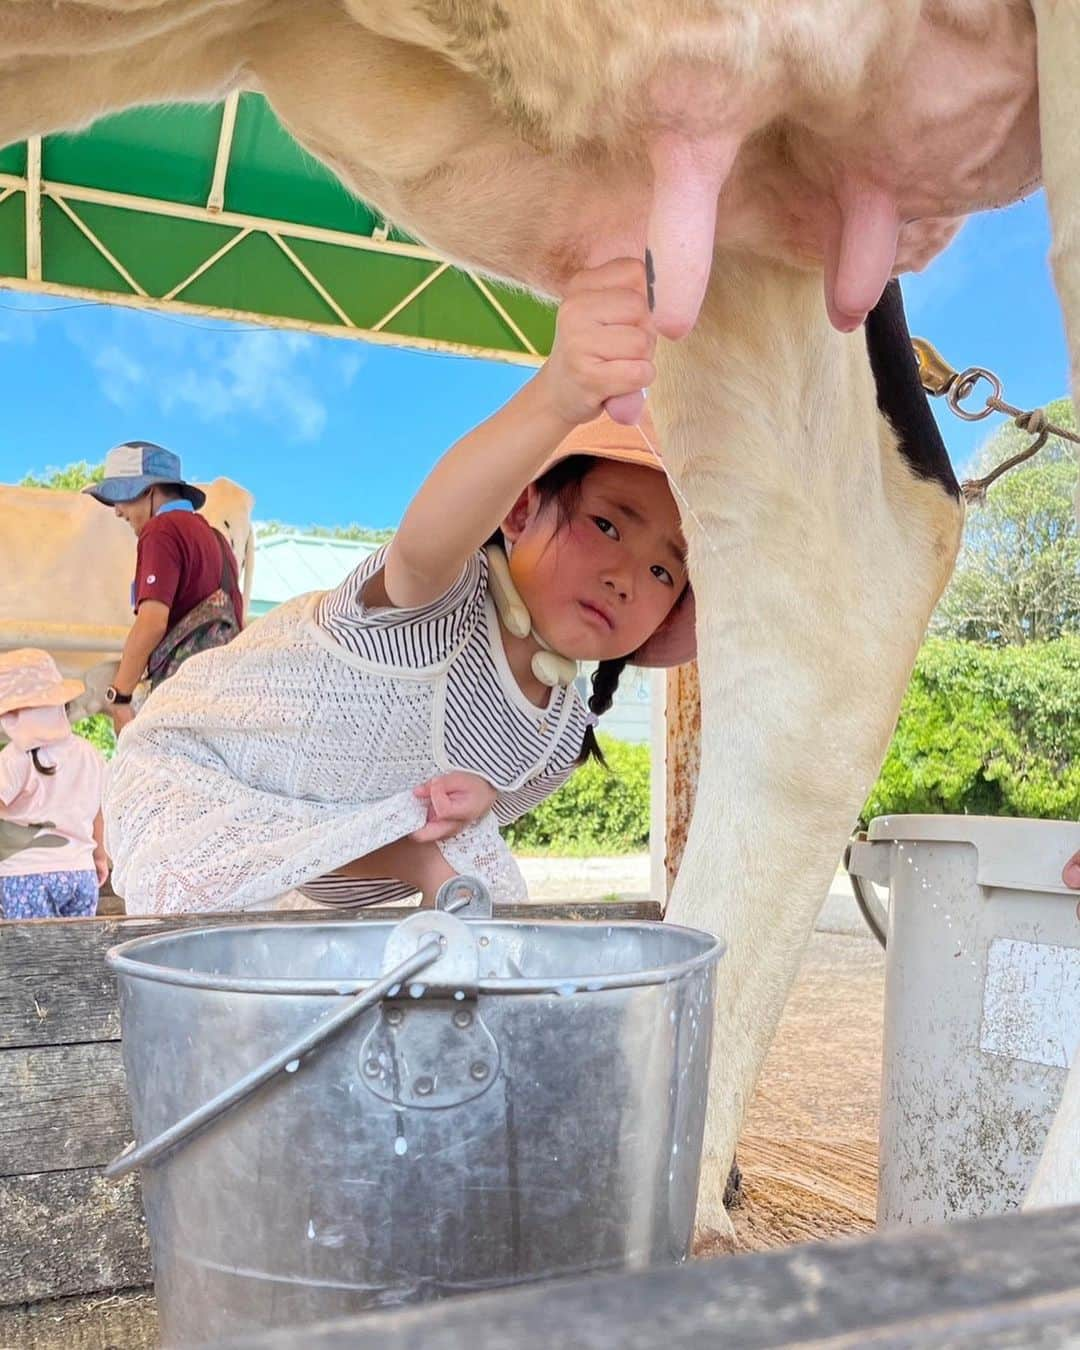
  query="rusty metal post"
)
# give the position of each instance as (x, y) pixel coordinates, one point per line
(683, 760)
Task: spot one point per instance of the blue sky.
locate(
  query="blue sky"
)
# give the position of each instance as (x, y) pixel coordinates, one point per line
(329, 431)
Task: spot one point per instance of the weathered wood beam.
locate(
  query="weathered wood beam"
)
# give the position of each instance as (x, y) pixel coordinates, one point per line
(70, 1233)
(1006, 1281)
(56, 989)
(61, 1106)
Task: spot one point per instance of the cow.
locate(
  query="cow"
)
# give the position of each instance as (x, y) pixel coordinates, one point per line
(781, 161)
(66, 566)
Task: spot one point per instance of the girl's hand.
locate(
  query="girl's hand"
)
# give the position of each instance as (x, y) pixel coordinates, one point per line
(604, 341)
(454, 800)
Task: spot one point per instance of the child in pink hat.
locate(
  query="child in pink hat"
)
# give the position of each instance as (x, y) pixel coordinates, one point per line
(48, 774)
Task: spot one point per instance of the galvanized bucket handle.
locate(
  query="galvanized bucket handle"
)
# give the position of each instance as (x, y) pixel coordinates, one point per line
(455, 895)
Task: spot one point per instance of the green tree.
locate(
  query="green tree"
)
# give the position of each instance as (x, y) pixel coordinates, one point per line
(598, 811)
(1017, 578)
(987, 730)
(364, 534)
(72, 478)
(98, 730)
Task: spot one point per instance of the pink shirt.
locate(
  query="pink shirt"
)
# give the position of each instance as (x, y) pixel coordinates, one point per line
(71, 798)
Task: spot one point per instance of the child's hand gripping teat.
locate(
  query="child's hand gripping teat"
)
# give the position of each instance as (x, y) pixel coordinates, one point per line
(454, 800)
(604, 344)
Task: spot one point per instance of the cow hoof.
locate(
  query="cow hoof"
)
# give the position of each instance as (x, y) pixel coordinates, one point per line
(733, 1188)
(713, 1230)
(714, 1241)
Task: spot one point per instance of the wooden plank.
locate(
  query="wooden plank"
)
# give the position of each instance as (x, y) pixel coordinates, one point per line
(55, 988)
(118, 1321)
(1012, 1280)
(70, 1233)
(61, 1107)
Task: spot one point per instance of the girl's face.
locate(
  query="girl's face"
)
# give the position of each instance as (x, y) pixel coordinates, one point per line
(602, 581)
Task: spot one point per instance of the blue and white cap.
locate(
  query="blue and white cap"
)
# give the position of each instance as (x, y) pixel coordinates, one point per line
(134, 467)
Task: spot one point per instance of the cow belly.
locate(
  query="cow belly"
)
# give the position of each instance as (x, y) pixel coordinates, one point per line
(816, 131)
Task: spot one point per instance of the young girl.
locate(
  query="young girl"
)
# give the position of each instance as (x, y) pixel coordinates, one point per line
(367, 743)
(48, 774)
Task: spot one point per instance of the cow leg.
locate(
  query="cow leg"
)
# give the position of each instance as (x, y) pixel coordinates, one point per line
(1058, 25)
(819, 542)
(1057, 1179)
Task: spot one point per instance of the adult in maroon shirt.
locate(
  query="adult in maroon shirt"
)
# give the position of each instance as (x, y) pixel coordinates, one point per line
(181, 564)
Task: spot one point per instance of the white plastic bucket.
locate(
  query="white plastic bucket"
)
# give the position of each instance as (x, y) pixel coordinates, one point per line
(982, 1006)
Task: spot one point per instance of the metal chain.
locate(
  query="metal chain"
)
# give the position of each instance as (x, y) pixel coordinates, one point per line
(938, 378)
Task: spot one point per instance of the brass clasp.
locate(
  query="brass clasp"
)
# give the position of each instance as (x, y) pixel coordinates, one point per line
(935, 373)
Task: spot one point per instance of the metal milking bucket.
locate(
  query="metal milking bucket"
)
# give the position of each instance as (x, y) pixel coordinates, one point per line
(338, 1116)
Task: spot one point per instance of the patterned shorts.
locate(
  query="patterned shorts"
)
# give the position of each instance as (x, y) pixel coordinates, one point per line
(49, 895)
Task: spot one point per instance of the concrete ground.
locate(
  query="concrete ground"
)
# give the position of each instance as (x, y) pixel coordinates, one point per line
(809, 1147)
(627, 878)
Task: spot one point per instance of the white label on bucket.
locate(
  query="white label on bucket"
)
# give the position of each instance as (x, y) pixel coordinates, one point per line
(1031, 1002)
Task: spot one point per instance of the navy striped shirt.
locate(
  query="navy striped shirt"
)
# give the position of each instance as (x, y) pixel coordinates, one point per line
(481, 721)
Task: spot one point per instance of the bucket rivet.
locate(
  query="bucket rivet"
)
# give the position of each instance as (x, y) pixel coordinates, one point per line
(463, 1018)
(371, 1068)
(424, 1087)
(485, 942)
(479, 1070)
(394, 1016)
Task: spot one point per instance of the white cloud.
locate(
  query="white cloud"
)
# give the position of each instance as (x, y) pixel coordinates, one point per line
(19, 316)
(260, 374)
(122, 376)
(214, 371)
(350, 366)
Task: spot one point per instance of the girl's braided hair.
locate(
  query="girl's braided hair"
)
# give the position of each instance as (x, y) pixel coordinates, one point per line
(47, 769)
(562, 484)
(605, 681)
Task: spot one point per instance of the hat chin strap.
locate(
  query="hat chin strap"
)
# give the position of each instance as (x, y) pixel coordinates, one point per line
(548, 666)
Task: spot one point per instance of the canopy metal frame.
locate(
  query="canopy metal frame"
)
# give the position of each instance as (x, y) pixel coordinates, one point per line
(73, 198)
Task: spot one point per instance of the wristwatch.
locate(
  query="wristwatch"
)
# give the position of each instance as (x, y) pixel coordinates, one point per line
(113, 695)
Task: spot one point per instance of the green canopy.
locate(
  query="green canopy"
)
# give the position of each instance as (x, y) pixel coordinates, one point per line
(217, 210)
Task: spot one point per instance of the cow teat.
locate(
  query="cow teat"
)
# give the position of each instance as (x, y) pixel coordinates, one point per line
(688, 173)
(860, 251)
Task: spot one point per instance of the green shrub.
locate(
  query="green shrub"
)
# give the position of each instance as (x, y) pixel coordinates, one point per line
(98, 731)
(598, 811)
(987, 731)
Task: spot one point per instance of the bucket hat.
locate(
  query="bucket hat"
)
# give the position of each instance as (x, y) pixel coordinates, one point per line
(29, 678)
(134, 467)
(675, 641)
